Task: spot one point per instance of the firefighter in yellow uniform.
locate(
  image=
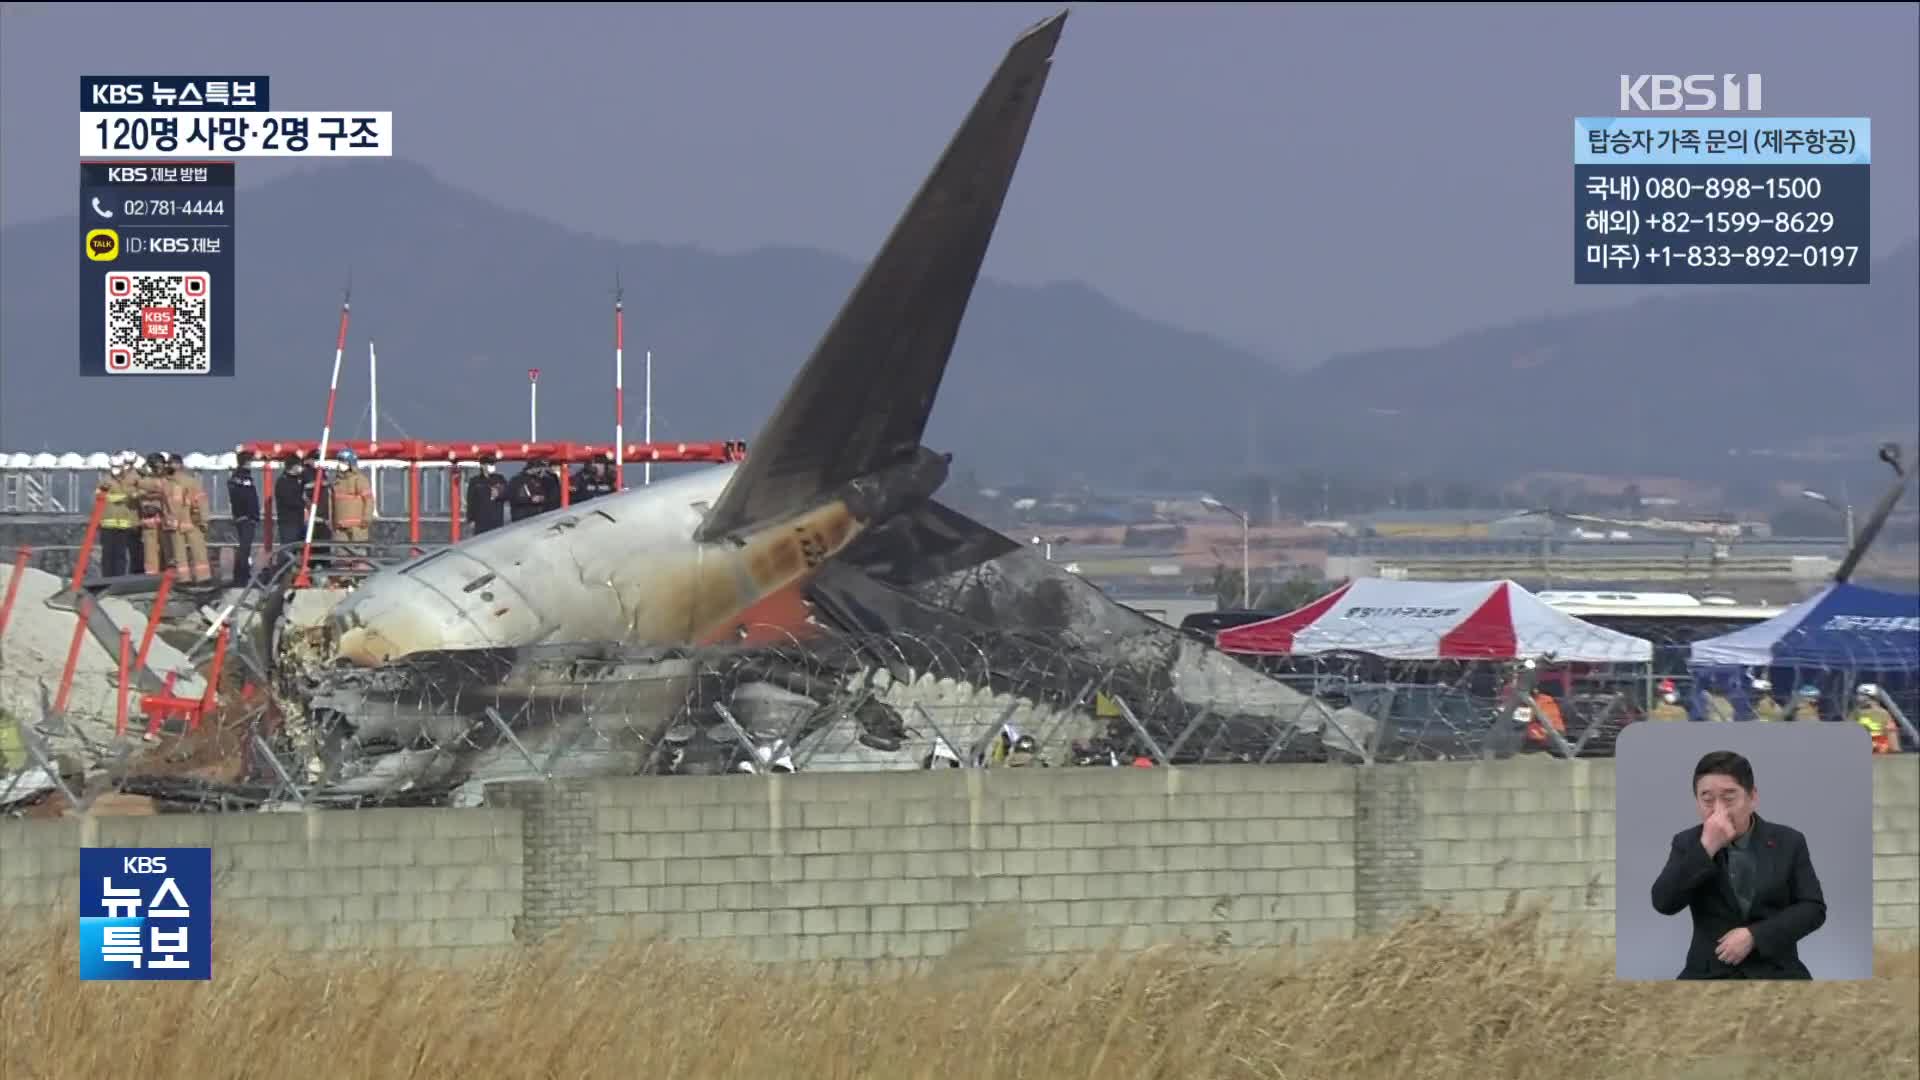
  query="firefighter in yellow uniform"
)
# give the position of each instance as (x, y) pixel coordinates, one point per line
(202, 521)
(1669, 707)
(187, 499)
(1764, 707)
(352, 511)
(153, 503)
(119, 518)
(1878, 721)
(1806, 703)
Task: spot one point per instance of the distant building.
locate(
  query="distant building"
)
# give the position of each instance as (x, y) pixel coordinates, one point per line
(1464, 524)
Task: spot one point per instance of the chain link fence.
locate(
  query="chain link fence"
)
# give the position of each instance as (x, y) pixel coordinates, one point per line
(433, 727)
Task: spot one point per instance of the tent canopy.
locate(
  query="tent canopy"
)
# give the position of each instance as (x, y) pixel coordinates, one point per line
(1434, 620)
(1843, 626)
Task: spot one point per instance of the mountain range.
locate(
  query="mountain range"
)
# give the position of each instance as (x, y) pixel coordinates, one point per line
(1055, 382)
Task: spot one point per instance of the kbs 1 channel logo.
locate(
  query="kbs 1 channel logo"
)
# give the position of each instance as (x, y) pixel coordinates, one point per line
(146, 913)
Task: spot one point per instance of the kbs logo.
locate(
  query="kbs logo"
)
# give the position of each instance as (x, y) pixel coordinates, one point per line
(1688, 93)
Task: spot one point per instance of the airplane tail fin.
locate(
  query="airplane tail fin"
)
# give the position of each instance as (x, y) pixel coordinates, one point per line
(861, 402)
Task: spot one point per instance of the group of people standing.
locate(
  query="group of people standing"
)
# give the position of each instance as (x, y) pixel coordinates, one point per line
(158, 507)
(1867, 711)
(158, 504)
(534, 490)
(156, 515)
(344, 508)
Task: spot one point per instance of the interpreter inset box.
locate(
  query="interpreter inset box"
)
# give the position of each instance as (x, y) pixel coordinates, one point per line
(1743, 850)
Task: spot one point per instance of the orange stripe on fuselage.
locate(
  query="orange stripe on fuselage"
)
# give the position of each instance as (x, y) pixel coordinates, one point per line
(779, 617)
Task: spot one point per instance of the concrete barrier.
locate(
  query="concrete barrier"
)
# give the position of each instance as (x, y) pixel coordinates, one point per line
(864, 867)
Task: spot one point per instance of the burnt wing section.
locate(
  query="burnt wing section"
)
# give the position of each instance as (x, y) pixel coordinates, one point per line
(933, 541)
(862, 400)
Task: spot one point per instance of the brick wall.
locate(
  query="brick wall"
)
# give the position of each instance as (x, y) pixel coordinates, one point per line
(445, 881)
(904, 865)
(1538, 828)
(1896, 848)
(1388, 855)
(908, 865)
(558, 834)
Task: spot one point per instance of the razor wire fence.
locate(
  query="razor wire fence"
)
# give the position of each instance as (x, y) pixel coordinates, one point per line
(433, 726)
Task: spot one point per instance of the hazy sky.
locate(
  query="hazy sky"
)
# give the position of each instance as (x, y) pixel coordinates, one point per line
(1297, 178)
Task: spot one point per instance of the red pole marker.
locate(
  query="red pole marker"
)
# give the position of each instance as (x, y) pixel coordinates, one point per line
(326, 432)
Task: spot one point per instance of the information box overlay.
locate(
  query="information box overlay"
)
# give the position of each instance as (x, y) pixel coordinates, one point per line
(1722, 201)
(156, 268)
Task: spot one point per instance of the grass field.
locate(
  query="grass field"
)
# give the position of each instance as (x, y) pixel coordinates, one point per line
(1430, 1000)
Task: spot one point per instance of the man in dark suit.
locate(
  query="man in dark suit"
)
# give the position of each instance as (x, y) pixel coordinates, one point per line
(1749, 883)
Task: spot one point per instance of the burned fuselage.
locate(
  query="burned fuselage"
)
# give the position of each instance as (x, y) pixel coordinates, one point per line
(447, 665)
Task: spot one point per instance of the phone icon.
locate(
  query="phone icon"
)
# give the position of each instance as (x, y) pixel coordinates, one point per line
(101, 210)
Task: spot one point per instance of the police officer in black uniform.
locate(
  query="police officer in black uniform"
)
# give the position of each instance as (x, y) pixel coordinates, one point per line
(289, 501)
(594, 479)
(527, 492)
(243, 503)
(486, 507)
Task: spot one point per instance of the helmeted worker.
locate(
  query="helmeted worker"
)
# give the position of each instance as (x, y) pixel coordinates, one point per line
(1003, 743)
(1806, 703)
(1544, 707)
(1868, 713)
(1024, 753)
(1668, 707)
(243, 507)
(187, 504)
(486, 507)
(1764, 707)
(352, 513)
(120, 518)
(202, 513)
(527, 491)
(156, 522)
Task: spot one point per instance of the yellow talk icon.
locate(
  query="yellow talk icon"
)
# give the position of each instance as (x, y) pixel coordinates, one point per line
(103, 245)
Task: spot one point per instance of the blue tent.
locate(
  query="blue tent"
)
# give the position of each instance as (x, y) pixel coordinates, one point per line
(1843, 627)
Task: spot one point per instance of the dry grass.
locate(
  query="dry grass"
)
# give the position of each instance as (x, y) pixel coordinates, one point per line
(1433, 999)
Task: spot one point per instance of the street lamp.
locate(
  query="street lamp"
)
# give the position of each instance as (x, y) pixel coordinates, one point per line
(1848, 510)
(1246, 577)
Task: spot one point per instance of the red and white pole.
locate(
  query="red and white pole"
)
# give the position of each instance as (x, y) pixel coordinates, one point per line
(326, 432)
(619, 393)
(533, 405)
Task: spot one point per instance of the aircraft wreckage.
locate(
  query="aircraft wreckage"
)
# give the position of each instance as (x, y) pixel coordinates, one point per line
(748, 612)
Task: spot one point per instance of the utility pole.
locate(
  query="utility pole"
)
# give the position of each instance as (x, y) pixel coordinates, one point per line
(1844, 506)
(1246, 574)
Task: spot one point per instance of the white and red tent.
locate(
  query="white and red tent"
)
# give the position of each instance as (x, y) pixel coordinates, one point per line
(1435, 620)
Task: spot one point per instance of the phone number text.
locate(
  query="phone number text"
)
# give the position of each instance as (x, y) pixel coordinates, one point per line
(1712, 256)
(170, 207)
(1631, 222)
(1630, 188)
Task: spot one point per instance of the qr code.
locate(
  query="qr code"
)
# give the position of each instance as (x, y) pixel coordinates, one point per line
(159, 322)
